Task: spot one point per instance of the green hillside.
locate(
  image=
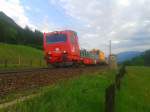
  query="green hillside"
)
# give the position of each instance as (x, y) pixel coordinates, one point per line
(20, 56)
(143, 59)
(12, 33)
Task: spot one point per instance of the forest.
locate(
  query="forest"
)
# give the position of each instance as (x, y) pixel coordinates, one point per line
(12, 33)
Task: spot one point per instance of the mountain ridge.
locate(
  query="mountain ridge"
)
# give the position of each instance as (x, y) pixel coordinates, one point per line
(127, 55)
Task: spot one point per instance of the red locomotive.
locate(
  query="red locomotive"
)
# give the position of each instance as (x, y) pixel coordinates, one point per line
(62, 49)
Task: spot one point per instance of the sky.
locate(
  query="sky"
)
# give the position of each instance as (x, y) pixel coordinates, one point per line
(125, 22)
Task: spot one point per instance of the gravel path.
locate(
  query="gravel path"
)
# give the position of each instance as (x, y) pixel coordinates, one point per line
(28, 80)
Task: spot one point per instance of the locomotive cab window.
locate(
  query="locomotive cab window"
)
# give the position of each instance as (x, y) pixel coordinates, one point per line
(55, 38)
(72, 39)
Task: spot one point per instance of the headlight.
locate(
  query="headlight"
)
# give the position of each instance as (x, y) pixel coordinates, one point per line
(49, 52)
(57, 49)
(64, 52)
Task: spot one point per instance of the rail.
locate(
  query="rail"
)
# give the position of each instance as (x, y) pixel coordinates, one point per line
(22, 71)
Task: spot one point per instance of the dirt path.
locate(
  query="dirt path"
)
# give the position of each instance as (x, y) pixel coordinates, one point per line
(23, 81)
(17, 82)
(11, 103)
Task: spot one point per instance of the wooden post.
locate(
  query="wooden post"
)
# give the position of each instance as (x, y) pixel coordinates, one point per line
(31, 63)
(19, 60)
(40, 63)
(118, 81)
(5, 63)
(122, 70)
(110, 98)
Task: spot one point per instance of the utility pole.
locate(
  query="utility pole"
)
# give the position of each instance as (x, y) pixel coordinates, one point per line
(112, 58)
(110, 47)
(110, 53)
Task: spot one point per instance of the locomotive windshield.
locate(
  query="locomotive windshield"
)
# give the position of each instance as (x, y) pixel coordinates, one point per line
(56, 38)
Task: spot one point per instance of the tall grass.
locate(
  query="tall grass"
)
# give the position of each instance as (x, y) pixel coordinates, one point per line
(85, 93)
(135, 91)
(18, 56)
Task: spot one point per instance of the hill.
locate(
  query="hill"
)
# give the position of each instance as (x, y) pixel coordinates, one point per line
(12, 33)
(20, 56)
(123, 56)
(142, 59)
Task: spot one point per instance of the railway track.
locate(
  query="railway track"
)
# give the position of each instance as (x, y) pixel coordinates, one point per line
(11, 81)
(22, 71)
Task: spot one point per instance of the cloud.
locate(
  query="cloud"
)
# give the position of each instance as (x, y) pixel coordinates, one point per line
(28, 8)
(122, 21)
(125, 22)
(16, 11)
(46, 25)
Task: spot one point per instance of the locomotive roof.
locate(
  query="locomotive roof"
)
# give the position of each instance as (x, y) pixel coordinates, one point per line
(61, 31)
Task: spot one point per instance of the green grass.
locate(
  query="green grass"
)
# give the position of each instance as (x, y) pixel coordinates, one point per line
(135, 91)
(18, 94)
(84, 93)
(14, 53)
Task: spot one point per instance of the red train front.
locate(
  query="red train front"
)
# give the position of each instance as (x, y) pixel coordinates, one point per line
(61, 48)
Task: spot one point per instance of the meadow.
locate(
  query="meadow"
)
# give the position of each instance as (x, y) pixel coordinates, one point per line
(134, 95)
(83, 93)
(19, 56)
(87, 93)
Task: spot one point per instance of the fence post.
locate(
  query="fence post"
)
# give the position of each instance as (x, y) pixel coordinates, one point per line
(110, 98)
(5, 63)
(19, 60)
(40, 63)
(118, 81)
(31, 63)
(119, 76)
(122, 71)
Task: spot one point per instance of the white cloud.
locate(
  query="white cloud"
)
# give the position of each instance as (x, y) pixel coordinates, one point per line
(118, 20)
(124, 2)
(27, 8)
(16, 11)
(125, 22)
(48, 26)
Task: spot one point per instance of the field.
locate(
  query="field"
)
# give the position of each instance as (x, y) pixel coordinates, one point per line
(19, 56)
(135, 91)
(87, 93)
(83, 93)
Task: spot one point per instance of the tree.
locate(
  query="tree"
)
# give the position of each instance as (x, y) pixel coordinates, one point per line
(12, 33)
(147, 58)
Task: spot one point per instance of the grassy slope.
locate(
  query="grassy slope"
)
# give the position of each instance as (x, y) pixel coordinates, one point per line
(135, 92)
(26, 54)
(85, 93)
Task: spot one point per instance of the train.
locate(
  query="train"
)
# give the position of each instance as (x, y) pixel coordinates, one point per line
(61, 48)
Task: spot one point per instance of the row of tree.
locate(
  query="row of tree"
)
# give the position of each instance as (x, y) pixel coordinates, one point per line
(143, 59)
(12, 33)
